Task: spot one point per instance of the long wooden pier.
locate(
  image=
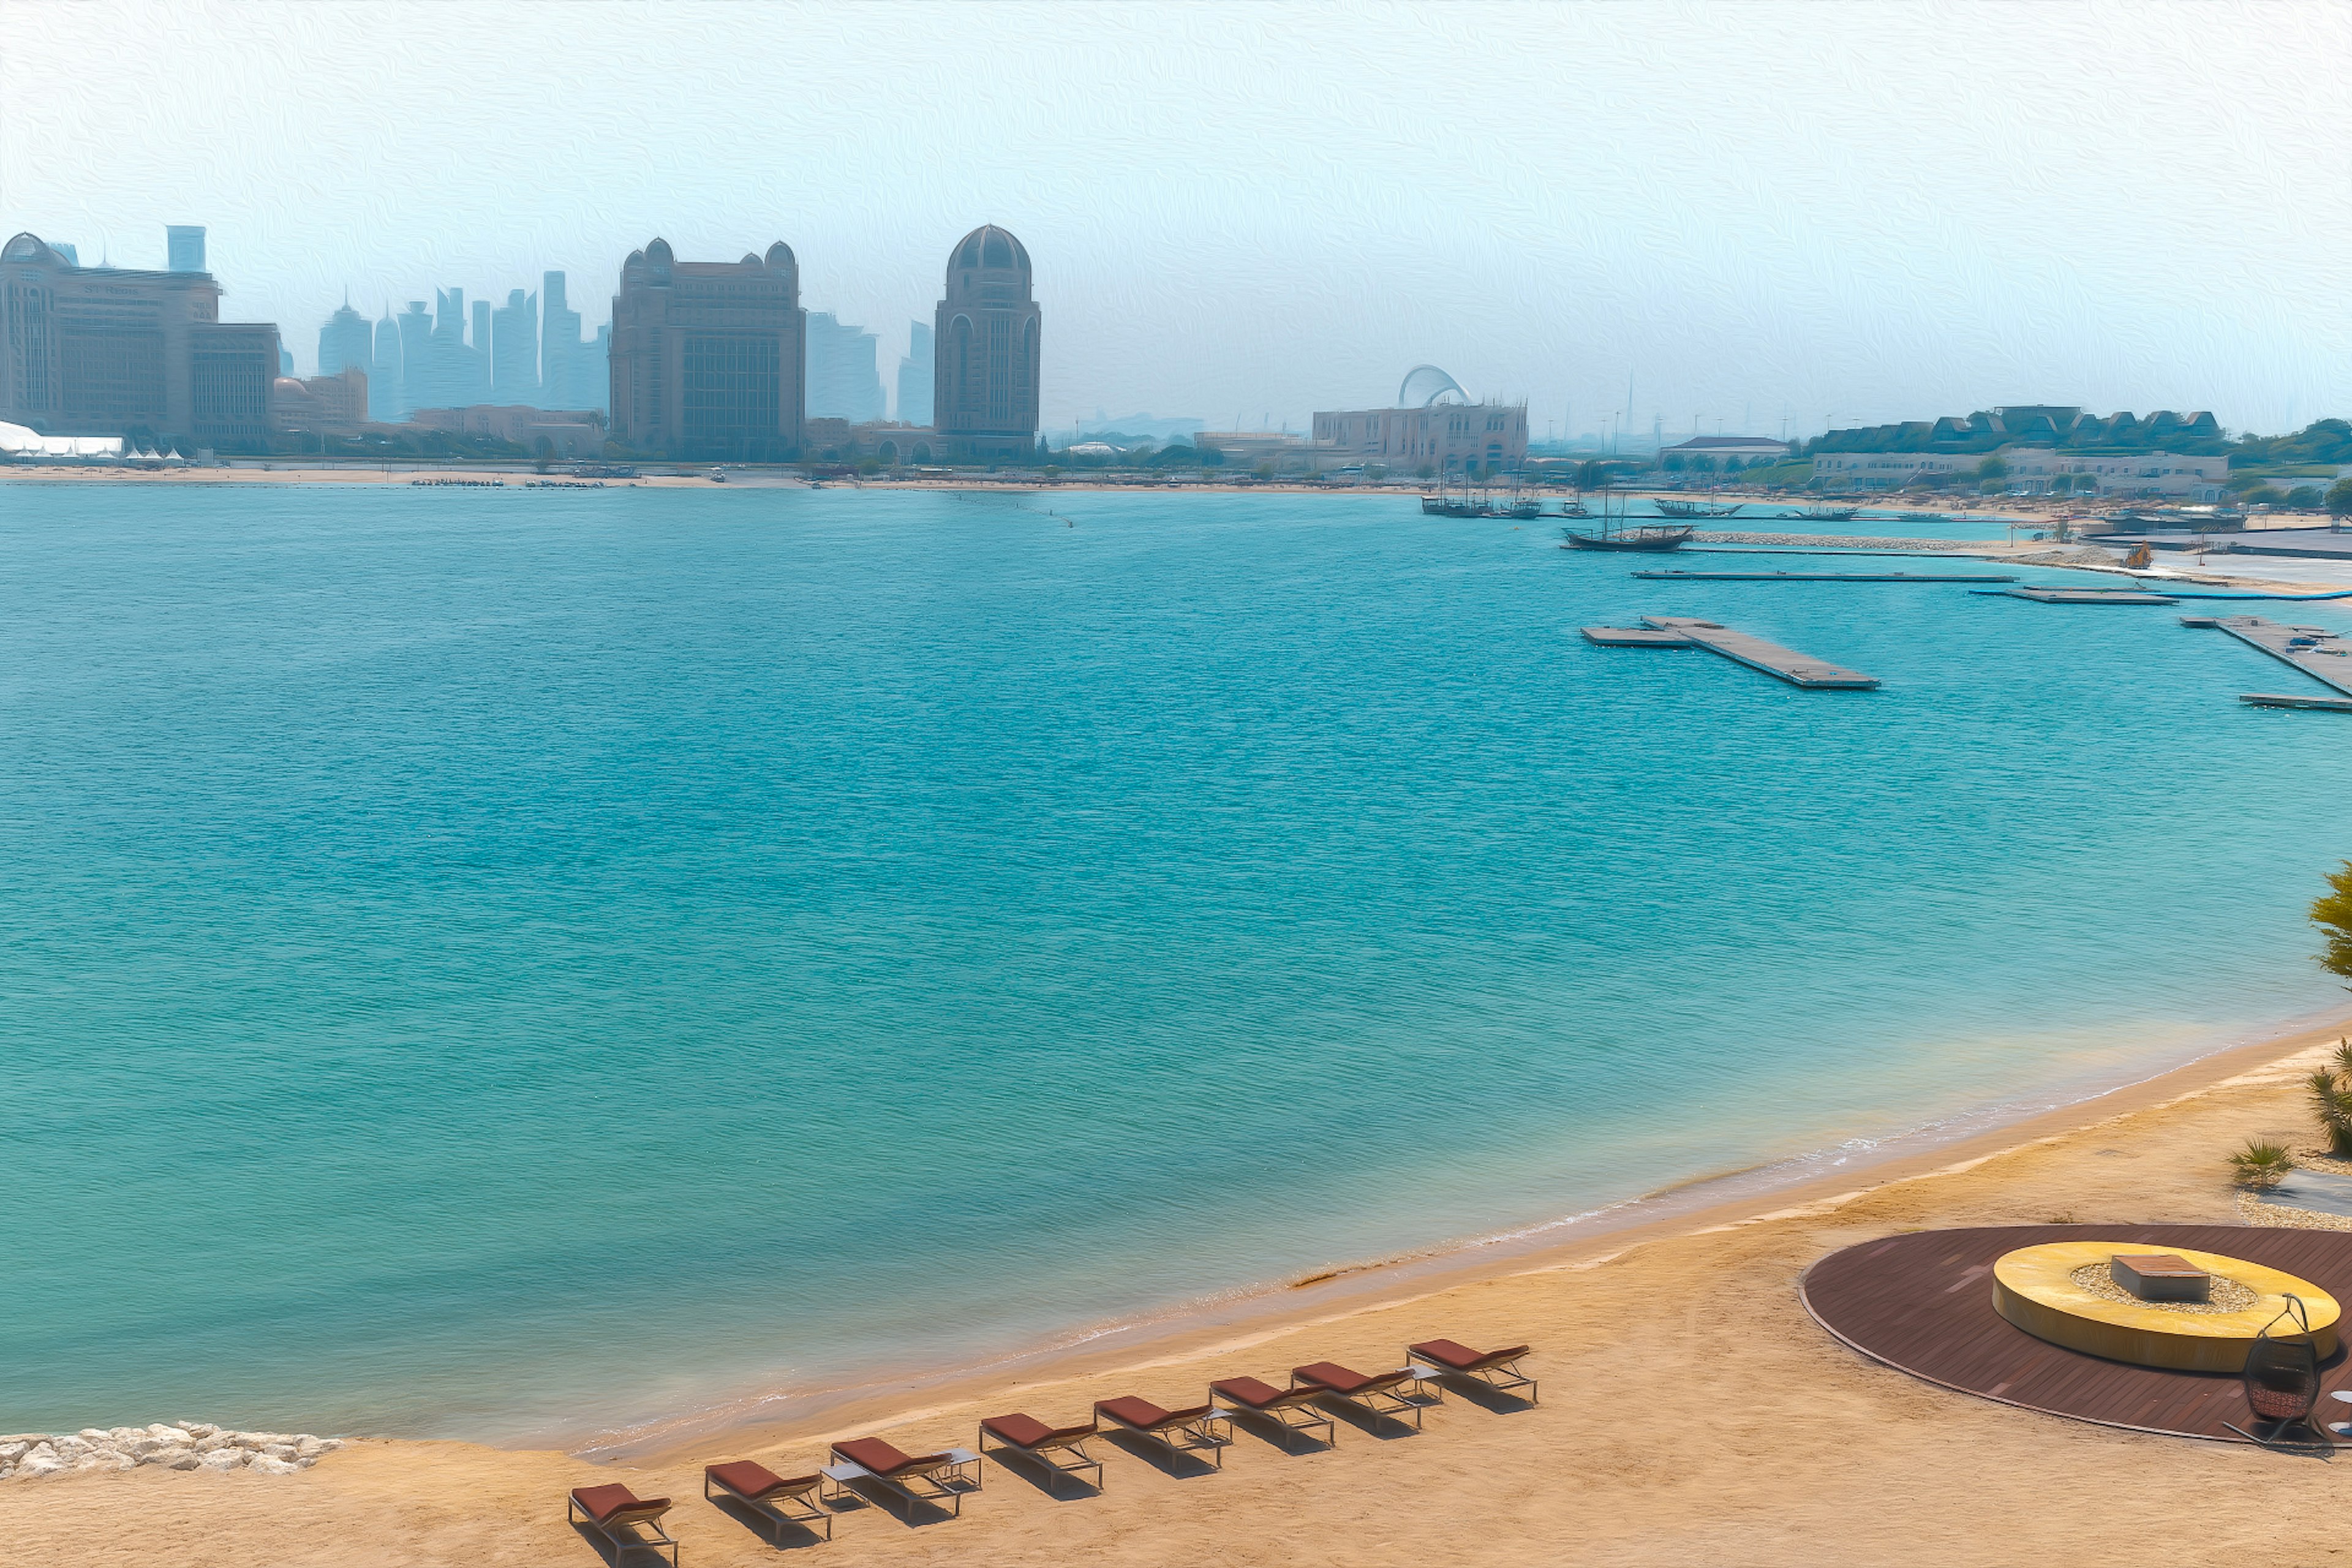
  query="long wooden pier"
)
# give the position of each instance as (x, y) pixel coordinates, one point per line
(1830, 576)
(2315, 650)
(1785, 664)
(1634, 637)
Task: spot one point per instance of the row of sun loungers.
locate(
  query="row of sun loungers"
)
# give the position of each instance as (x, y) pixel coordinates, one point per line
(632, 1524)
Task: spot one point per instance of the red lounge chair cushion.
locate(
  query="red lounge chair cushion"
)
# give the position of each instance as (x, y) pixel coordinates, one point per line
(1461, 1357)
(1143, 1413)
(1343, 1379)
(601, 1503)
(754, 1479)
(1027, 1432)
(883, 1459)
(1249, 1391)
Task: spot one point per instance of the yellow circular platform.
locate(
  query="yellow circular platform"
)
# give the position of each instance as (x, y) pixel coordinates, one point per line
(2035, 1288)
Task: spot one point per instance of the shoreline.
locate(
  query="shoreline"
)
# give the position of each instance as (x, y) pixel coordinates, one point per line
(1791, 1443)
(1249, 1313)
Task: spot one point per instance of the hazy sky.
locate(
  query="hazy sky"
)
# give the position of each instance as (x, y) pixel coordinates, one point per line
(1756, 211)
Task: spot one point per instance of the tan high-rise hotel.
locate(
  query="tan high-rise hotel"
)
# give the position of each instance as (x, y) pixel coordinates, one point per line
(984, 390)
(708, 357)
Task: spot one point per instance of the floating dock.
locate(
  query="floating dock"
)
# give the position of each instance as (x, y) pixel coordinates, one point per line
(1785, 664)
(1830, 576)
(2315, 650)
(2271, 699)
(2081, 595)
(1634, 637)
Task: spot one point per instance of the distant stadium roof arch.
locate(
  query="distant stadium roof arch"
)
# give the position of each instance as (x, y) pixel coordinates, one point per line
(1425, 385)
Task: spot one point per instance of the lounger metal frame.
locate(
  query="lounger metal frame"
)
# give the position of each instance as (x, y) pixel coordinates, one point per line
(1397, 1407)
(623, 1544)
(1044, 1454)
(954, 1475)
(1502, 1376)
(1211, 1433)
(770, 1505)
(1293, 1416)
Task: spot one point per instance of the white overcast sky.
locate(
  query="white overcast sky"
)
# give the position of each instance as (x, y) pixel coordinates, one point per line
(1756, 212)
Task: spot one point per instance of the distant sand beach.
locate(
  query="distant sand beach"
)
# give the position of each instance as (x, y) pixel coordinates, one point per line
(1691, 1414)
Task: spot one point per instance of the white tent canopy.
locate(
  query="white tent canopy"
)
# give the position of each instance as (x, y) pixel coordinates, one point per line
(18, 440)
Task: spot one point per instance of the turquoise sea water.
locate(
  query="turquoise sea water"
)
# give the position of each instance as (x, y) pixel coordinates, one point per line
(473, 962)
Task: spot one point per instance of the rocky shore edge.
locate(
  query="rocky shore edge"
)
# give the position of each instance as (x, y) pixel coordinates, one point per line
(189, 1446)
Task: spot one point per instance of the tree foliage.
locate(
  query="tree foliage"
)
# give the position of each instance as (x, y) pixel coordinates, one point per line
(2332, 913)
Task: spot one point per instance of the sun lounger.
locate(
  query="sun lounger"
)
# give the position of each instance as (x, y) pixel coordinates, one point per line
(1032, 1439)
(616, 1513)
(1378, 1394)
(933, 1479)
(1497, 1370)
(1291, 1408)
(770, 1495)
(1193, 1429)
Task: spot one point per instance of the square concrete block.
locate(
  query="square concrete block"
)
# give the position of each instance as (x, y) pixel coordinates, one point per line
(2160, 1276)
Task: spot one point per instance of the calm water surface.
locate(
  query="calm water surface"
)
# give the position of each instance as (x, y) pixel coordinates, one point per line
(476, 962)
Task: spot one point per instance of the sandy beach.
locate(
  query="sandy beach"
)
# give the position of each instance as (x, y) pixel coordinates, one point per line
(1692, 1413)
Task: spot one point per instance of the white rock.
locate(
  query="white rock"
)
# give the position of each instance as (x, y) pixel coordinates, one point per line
(281, 1451)
(180, 1459)
(36, 1465)
(94, 1436)
(13, 1450)
(6, 1470)
(170, 1434)
(229, 1459)
(199, 1429)
(218, 1440)
(269, 1465)
(119, 1436)
(71, 1447)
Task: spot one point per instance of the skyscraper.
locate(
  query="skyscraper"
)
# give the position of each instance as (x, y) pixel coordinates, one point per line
(915, 373)
(984, 398)
(514, 350)
(844, 382)
(478, 358)
(183, 245)
(416, 387)
(345, 339)
(708, 359)
(386, 400)
(571, 375)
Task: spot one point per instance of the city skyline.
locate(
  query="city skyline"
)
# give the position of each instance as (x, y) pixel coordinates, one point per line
(1783, 213)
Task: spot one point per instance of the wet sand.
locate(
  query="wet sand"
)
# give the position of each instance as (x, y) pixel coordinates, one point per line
(1691, 1414)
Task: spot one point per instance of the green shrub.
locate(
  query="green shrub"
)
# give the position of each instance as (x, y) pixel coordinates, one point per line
(2261, 1165)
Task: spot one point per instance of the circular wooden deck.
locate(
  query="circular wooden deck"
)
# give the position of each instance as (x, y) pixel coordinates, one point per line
(1922, 1303)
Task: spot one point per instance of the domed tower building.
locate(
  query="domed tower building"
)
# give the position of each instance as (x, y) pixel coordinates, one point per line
(709, 358)
(984, 388)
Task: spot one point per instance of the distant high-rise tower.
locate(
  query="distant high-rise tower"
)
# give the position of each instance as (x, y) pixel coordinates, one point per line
(514, 351)
(384, 379)
(984, 392)
(417, 349)
(915, 374)
(708, 358)
(183, 245)
(345, 340)
(844, 382)
(478, 363)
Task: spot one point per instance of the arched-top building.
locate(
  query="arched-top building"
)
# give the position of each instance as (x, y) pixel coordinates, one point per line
(709, 358)
(984, 386)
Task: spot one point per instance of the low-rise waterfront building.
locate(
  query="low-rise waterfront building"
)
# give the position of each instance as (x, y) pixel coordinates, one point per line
(321, 405)
(2036, 468)
(1441, 437)
(568, 432)
(1724, 451)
